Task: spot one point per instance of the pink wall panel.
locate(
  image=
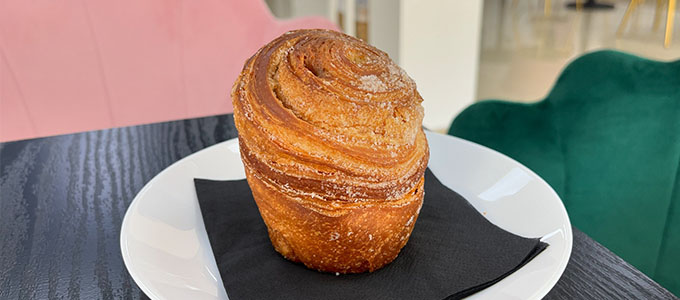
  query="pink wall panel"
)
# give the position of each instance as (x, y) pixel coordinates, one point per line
(48, 48)
(77, 65)
(140, 45)
(15, 123)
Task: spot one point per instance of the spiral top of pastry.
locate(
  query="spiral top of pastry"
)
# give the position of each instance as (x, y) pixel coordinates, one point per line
(326, 115)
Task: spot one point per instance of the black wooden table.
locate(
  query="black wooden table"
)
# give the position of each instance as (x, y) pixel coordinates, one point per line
(63, 198)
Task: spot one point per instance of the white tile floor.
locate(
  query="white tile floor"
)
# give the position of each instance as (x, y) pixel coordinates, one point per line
(523, 50)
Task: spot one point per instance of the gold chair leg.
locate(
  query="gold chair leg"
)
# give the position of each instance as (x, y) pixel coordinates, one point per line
(579, 5)
(631, 6)
(657, 15)
(669, 23)
(547, 8)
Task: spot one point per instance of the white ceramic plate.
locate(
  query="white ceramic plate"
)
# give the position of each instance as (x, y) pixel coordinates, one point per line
(167, 252)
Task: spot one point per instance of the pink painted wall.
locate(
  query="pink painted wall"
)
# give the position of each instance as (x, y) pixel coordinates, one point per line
(76, 65)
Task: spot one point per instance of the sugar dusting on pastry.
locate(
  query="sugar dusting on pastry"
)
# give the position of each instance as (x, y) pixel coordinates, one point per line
(372, 84)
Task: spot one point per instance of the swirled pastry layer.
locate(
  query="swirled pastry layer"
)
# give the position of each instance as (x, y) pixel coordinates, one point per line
(330, 136)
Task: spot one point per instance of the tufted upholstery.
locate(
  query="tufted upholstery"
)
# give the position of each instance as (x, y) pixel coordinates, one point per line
(607, 139)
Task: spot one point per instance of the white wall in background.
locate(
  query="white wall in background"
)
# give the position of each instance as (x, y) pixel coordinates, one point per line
(383, 27)
(439, 49)
(298, 8)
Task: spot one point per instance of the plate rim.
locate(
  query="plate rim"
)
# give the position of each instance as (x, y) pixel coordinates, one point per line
(539, 294)
(135, 201)
(562, 266)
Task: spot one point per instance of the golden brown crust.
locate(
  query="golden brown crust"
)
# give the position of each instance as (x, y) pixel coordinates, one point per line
(331, 140)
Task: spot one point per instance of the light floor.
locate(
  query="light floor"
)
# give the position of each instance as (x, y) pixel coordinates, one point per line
(523, 50)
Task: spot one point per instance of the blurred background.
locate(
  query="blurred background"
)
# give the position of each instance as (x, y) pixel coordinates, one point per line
(136, 62)
(460, 52)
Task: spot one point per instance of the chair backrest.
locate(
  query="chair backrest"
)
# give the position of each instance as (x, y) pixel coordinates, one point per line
(607, 138)
(68, 66)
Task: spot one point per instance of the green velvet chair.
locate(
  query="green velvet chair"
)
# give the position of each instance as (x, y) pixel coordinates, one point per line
(607, 139)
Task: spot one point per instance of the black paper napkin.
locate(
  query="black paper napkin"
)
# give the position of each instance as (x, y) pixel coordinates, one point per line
(453, 252)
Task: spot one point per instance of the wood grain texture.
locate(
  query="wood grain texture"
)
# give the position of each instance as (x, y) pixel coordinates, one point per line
(594, 272)
(63, 198)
